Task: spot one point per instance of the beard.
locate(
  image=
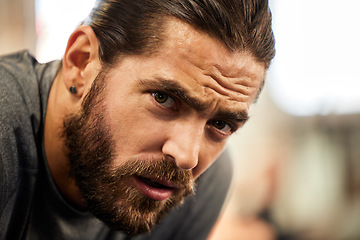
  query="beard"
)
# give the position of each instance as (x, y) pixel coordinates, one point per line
(108, 191)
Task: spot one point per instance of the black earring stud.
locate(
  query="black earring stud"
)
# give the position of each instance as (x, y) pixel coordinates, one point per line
(72, 89)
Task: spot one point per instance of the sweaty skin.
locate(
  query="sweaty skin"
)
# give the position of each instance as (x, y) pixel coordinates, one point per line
(183, 102)
(219, 85)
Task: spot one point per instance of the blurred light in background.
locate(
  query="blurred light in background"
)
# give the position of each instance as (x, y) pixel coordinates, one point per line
(316, 69)
(303, 171)
(55, 21)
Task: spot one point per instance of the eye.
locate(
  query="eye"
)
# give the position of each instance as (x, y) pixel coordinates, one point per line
(223, 127)
(164, 99)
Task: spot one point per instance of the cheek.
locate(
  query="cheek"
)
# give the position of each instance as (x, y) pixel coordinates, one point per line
(134, 129)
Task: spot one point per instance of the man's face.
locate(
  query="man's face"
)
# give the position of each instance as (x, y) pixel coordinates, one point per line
(151, 125)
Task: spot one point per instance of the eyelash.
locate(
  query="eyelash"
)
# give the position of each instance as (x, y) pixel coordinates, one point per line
(232, 127)
(167, 97)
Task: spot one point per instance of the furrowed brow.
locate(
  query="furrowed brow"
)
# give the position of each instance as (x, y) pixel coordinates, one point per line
(178, 91)
(239, 116)
(174, 88)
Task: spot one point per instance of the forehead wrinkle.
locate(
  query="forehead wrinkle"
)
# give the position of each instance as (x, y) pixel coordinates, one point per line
(236, 85)
(239, 77)
(233, 90)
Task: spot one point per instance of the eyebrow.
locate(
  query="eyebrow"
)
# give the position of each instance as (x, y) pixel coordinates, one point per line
(240, 116)
(172, 87)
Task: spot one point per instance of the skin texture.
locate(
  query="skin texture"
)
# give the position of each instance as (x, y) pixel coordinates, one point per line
(180, 104)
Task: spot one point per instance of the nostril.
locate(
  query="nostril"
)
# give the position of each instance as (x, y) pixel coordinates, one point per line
(169, 157)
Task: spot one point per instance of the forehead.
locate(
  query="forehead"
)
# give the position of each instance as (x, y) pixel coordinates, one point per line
(201, 66)
(205, 60)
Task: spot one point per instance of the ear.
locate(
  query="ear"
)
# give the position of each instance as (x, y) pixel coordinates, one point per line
(81, 61)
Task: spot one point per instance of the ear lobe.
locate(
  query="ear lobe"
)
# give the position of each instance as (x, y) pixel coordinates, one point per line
(81, 52)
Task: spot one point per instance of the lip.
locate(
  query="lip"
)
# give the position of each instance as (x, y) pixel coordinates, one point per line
(156, 193)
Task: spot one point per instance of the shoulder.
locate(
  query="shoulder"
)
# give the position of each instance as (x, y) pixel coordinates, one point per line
(20, 111)
(19, 105)
(220, 172)
(19, 84)
(212, 188)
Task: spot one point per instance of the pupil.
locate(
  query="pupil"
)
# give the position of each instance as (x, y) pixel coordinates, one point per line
(160, 97)
(219, 124)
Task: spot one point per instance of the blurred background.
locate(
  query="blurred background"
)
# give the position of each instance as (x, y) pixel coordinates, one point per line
(297, 161)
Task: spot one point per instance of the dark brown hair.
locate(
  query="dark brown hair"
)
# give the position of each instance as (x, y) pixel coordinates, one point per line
(135, 26)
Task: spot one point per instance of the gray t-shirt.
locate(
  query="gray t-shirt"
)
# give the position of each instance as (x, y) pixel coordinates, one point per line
(31, 206)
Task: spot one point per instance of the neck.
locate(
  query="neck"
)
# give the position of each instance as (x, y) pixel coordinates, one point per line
(54, 145)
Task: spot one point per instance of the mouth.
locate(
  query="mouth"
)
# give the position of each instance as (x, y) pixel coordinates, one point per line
(155, 188)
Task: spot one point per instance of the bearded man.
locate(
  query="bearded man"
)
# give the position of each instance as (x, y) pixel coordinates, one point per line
(128, 125)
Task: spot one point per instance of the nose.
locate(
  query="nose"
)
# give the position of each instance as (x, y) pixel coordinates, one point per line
(183, 145)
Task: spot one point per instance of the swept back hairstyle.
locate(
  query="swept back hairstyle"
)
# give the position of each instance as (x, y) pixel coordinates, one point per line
(135, 26)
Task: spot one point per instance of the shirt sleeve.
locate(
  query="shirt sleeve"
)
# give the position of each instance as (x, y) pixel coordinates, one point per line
(19, 118)
(8, 167)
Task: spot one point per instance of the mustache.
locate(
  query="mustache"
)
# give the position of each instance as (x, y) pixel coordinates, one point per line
(162, 168)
